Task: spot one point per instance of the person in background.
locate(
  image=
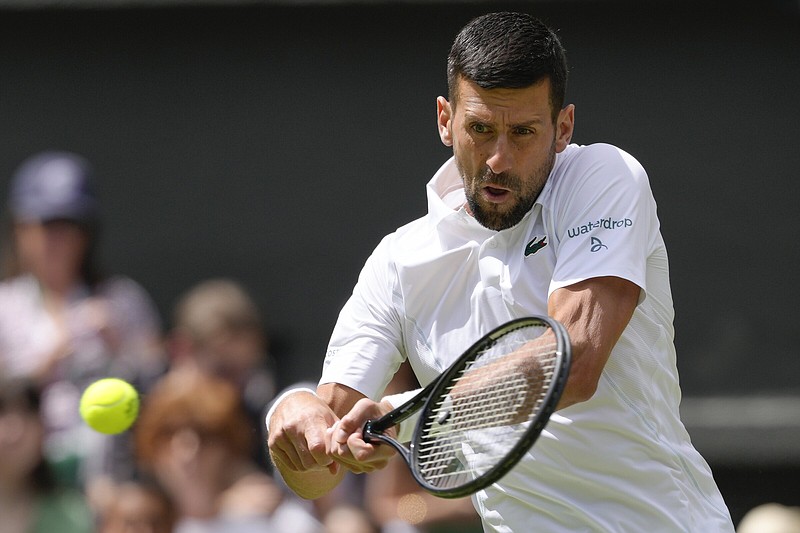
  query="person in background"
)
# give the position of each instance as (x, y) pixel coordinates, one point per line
(138, 506)
(194, 436)
(63, 322)
(770, 518)
(349, 519)
(31, 498)
(218, 328)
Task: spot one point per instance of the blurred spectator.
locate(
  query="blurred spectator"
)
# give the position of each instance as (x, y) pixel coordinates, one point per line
(771, 518)
(194, 436)
(31, 500)
(140, 506)
(217, 328)
(398, 503)
(348, 519)
(62, 322)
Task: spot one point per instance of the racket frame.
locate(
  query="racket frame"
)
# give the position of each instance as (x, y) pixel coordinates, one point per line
(428, 397)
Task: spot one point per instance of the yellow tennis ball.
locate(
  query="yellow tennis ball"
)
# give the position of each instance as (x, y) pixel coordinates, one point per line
(110, 405)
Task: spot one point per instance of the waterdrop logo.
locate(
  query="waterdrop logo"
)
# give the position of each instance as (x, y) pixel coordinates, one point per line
(597, 245)
(607, 223)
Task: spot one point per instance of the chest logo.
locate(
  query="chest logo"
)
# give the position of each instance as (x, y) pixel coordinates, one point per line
(536, 244)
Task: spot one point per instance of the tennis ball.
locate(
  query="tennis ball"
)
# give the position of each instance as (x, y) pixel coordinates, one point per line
(109, 405)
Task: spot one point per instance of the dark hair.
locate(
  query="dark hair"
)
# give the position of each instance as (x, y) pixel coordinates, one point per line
(509, 51)
(191, 399)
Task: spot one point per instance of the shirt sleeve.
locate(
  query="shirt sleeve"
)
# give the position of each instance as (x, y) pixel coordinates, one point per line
(365, 349)
(604, 219)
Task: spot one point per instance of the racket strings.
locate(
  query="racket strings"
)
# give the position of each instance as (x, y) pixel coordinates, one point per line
(485, 411)
(481, 409)
(504, 393)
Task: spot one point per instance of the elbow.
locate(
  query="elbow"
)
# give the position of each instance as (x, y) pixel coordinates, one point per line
(581, 386)
(584, 391)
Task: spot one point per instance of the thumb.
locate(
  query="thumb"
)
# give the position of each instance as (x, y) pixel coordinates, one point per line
(345, 427)
(351, 423)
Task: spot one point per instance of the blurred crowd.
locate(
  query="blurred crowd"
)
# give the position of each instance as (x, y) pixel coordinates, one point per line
(195, 461)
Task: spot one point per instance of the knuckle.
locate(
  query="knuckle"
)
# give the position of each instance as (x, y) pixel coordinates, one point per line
(316, 447)
(361, 455)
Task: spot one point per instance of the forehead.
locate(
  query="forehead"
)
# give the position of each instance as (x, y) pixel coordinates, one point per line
(525, 104)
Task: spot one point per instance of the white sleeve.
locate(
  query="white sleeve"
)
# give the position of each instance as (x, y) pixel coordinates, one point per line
(365, 349)
(604, 219)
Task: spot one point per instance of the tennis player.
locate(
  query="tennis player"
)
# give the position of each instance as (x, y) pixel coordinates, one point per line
(520, 221)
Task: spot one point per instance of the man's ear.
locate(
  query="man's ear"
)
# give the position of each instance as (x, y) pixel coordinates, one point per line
(444, 120)
(565, 125)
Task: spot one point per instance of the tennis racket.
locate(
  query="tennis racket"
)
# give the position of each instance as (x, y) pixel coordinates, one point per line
(483, 413)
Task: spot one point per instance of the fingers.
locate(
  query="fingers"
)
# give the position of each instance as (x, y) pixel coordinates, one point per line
(352, 452)
(317, 450)
(344, 436)
(347, 445)
(365, 409)
(303, 451)
(297, 433)
(306, 435)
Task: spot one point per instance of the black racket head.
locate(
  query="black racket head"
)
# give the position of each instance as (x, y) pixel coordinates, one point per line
(490, 406)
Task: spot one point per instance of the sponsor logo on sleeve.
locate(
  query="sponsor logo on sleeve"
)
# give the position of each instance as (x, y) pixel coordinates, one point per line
(607, 223)
(597, 245)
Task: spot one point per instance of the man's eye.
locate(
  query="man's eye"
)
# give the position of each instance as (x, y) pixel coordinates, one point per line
(524, 131)
(480, 128)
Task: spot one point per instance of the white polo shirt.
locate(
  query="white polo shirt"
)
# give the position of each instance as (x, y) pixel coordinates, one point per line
(621, 461)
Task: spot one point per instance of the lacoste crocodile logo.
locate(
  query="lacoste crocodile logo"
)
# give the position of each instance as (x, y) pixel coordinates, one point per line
(535, 245)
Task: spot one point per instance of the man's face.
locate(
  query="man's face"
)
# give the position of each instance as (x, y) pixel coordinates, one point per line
(504, 142)
(53, 251)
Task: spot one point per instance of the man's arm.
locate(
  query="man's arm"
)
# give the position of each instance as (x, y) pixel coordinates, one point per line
(595, 313)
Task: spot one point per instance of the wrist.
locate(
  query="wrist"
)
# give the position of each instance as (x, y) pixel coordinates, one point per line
(282, 397)
(405, 429)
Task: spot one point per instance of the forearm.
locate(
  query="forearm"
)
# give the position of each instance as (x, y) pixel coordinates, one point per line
(595, 313)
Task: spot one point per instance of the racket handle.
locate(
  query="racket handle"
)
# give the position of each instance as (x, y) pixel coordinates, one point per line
(377, 438)
(366, 431)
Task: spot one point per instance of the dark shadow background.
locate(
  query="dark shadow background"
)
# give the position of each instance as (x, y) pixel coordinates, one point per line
(276, 144)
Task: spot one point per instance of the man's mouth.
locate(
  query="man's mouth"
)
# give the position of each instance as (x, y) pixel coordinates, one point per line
(495, 194)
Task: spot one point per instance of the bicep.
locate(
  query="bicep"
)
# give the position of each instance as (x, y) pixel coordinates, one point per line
(595, 313)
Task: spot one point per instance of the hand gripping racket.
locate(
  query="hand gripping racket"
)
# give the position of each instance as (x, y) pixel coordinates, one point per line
(483, 413)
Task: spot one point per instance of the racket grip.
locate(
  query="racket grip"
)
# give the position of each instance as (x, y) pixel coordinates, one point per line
(375, 437)
(366, 431)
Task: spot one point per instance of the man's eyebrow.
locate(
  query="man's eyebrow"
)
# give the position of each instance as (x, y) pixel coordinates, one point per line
(471, 116)
(531, 122)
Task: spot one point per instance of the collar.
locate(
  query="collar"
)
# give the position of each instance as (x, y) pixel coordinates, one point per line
(445, 192)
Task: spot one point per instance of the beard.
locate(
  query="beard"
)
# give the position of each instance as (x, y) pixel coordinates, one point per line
(524, 190)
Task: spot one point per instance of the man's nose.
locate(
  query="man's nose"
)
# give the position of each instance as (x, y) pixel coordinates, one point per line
(501, 158)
